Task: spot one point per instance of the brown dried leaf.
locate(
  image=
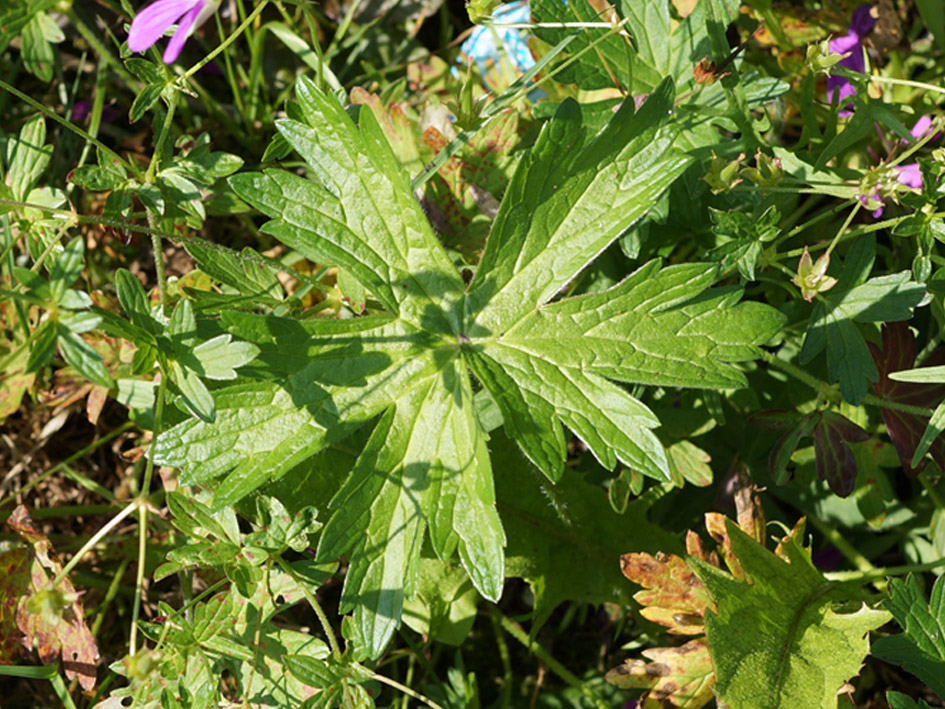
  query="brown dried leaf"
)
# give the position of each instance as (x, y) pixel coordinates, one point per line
(695, 547)
(678, 676)
(748, 510)
(14, 585)
(12, 389)
(52, 619)
(715, 525)
(673, 595)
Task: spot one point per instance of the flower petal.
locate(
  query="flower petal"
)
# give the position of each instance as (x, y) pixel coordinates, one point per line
(152, 22)
(184, 27)
(862, 21)
(910, 175)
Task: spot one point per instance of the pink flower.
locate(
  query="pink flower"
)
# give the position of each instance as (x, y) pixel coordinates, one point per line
(151, 23)
(851, 43)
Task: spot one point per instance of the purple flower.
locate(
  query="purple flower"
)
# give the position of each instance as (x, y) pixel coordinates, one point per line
(851, 43)
(151, 23)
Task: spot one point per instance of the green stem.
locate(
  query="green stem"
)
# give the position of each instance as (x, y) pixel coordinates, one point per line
(157, 246)
(90, 544)
(930, 488)
(250, 257)
(108, 152)
(158, 156)
(143, 516)
(406, 690)
(900, 82)
(226, 42)
(844, 227)
(880, 572)
(506, 658)
(68, 461)
(862, 564)
(874, 400)
(820, 386)
(110, 596)
(859, 231)
(322, 618)
(516, 632)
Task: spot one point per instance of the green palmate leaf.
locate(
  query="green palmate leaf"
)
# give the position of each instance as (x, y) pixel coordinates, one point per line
(426, 463)
(426, 469)
(570, 197)
(642, 331)
(833, 324)
(779, 640)
(362, 217)
(920, 649)
(334, 376)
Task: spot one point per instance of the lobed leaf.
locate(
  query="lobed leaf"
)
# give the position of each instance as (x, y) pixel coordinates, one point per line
(777, 638)
(920, 648)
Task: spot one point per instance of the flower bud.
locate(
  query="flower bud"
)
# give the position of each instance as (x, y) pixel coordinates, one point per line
(812, 276)
(767, 173)
(723, 174)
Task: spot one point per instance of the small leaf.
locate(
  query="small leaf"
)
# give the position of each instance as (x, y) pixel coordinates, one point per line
(219, 358)
(196, 395)
(27, 156)
(889, 298)
(81, 357)
(149, 96)
(834, 459)
(920, 649)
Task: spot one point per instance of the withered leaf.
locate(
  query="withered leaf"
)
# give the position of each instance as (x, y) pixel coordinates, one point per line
(14, 585)
(677, 676)
(673, 595)
(52, 619)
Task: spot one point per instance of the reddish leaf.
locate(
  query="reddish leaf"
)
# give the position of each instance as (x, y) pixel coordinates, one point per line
(830, 432)
(52, 619)
(14, 585)
(781, 453)
(905, 430)
(675, 597)
(834, 459)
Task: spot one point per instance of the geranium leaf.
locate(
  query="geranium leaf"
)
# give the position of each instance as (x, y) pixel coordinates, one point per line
(920, 648)
(778, 638)
(426, 470)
